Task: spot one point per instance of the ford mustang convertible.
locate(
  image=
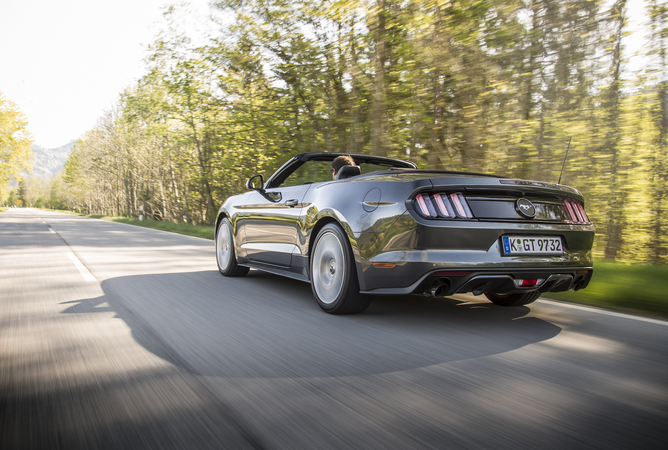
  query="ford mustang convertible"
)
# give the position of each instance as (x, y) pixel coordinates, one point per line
(385, 227)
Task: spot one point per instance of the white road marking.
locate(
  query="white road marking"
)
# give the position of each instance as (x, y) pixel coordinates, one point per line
(52, 230)
(87, 276)
(604, 311)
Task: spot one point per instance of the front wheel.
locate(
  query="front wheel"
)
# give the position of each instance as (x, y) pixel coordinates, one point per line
(513, 299)
(227, 260)
(333, 275)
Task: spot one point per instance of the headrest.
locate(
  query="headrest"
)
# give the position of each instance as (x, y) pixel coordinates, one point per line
(347, 172)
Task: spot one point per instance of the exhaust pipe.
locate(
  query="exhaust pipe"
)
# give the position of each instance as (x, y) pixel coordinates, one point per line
(437, 288)
(579, 284)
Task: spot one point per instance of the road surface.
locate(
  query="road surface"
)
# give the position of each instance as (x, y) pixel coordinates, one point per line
(114, 336)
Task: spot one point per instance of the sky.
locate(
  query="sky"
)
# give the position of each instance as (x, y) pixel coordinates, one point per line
(65, 62)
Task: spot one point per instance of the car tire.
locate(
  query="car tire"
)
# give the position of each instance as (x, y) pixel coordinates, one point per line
(513, 299)
(333, 274)
(225, 255)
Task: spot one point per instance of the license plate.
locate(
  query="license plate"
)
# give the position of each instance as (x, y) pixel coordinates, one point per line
(532, 245)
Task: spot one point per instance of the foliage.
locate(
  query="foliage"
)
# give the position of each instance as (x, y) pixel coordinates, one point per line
(494, 85)
(42, 192)
(15, 142)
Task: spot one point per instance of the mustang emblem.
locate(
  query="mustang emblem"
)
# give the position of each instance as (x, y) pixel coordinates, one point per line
(525, 208)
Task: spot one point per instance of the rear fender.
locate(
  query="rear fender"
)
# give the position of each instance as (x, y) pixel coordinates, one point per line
(321, 218)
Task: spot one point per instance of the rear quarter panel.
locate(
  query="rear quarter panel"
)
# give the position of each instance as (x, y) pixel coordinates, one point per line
(365, 207)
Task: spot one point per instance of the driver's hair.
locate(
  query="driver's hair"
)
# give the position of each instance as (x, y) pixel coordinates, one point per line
(343, 160)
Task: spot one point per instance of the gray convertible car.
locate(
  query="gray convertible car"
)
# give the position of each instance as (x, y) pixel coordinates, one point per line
(385, 227)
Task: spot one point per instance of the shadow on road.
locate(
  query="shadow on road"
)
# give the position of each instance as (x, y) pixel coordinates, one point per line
(267, 326)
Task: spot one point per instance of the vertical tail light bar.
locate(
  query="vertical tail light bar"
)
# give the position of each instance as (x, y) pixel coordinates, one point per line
(422, 204)
(582, 211)
(577, 212)
(461, 206)
(569, 211)
(425, 205)
(458, 205)
(444, 205)
(462, 200)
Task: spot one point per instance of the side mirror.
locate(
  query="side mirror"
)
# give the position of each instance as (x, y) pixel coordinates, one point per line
(250, 184)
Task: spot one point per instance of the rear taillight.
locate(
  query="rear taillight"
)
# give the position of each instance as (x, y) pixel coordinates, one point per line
(451, 206)
(575, 211)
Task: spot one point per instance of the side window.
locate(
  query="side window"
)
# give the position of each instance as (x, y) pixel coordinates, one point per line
(310, 172)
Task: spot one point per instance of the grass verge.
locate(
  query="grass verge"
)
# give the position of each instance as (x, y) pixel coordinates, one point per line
(201, 231)
(635, 288)
(632, 288)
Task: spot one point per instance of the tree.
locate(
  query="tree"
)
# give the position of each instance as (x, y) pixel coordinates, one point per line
(15, 142)
(612, 99)
(658, 22)
(494, 86)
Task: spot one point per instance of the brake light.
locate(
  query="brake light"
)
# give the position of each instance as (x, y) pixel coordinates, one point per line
(575, 211)
(443, 205)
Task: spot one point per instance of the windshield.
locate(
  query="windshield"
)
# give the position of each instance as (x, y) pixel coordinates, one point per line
(308, 168)
(319, 171)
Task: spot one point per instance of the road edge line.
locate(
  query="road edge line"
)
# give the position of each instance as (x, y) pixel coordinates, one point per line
(607, 312)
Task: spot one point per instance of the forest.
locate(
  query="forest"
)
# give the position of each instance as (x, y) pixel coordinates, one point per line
(494, 86)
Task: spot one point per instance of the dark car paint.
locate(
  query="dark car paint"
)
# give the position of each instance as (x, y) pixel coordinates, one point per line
(376, 212)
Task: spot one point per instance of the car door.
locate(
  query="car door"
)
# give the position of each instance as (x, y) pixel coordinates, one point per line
(270, 222)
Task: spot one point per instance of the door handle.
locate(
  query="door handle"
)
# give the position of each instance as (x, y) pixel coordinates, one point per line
(292, 202)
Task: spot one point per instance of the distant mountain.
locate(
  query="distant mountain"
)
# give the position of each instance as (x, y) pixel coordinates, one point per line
(49, 161)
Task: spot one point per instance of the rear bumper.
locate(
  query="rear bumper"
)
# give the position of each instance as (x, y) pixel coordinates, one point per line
(411, 253)
(500, 280)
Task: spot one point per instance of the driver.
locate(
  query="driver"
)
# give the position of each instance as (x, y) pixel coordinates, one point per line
(341, 161)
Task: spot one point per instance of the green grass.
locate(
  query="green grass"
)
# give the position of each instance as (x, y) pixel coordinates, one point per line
(632, 288)
(201, 231)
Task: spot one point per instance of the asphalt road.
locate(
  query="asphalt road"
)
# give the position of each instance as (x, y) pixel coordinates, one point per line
(113, 336)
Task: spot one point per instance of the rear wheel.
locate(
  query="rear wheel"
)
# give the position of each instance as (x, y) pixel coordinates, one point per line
(333, 276)
(513, 299)
(227, 260)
